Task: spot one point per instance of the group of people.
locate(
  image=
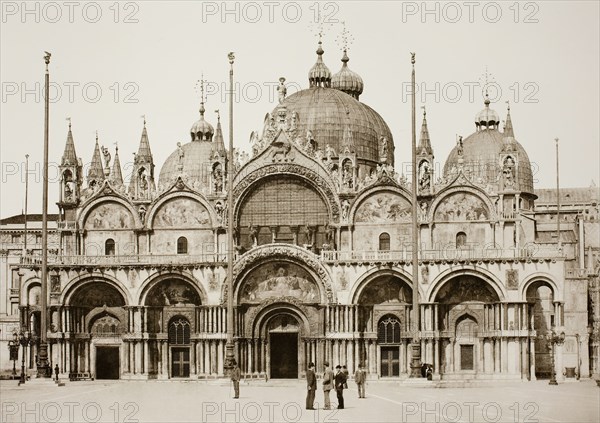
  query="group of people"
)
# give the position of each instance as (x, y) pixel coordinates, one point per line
(337, 381)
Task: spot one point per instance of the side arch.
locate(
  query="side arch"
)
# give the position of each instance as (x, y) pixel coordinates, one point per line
(155, 279)
(449, 274)
(369, 276)
(84, 213)
(541, 277)
(80, 281)
(180, 194)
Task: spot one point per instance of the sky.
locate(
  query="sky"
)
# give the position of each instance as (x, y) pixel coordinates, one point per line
(114, 62)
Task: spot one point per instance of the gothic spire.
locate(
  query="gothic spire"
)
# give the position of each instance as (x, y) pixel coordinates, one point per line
(144, 155)
(508, 127)
(116, 177)
(220, 143)
(319, 75)
(95, 172)
(425, 141)
(69, 156)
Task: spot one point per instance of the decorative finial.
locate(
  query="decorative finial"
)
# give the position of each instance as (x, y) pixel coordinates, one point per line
(218, 115)
(508, 105)
(96, 136)
(201, 82)
(47, 59)
(424, 111)
(488, 77)
(344, 39)
(144, 117)
(231, 57)
(412, 58)
(69, 120)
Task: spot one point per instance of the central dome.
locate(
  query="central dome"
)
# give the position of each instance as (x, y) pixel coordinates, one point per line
(327, 112)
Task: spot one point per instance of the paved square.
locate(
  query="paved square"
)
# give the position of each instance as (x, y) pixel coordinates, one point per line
(284, 401)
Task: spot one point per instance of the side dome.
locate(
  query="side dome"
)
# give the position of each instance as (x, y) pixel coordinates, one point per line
(480, 155)
(348, 81)
(192, 161)
(328, 112)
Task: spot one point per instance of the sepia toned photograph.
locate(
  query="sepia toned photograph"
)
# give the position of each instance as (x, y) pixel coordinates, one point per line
(286, 211)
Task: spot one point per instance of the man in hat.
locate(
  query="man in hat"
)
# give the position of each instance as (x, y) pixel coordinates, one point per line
(311, 381)
(340, 381)
(327, 382)
(360, 377)
(236, 375)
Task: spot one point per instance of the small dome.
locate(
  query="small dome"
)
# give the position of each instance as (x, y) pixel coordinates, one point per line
(194, 161)
(480, 157)
(202, 130)
(487, 117)
(347, 81)
(319, 75)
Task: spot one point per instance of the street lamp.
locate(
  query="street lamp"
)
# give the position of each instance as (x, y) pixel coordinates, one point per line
(554, 339)
(13, 347)
(24, 340)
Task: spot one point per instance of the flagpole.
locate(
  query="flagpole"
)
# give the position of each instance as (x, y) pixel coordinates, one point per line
(26, 195)
(43, 368)
(416, 343)
(229, 347)
(557, 199)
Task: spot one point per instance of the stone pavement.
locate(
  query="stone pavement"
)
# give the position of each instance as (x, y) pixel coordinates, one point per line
(284, 401)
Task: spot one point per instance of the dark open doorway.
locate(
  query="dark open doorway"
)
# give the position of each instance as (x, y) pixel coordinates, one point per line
(284, 355)
(107, 362)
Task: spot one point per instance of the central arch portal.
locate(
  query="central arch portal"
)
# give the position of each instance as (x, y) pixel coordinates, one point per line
(283, 333)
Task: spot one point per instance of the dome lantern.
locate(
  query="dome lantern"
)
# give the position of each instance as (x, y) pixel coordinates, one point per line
(487, 118)
(346, 80)
(319, 75)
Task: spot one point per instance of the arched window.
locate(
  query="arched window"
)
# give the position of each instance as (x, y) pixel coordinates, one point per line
(384, 242)
(109, 247)
(388, 330)
(461, 239)
(179, 331)
(182, 245)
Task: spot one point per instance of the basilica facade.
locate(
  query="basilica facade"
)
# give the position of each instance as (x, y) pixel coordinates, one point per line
(323, 259)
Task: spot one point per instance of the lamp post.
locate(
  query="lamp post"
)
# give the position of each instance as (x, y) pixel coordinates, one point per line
(24, 340)
(13, 347)
(554, 339)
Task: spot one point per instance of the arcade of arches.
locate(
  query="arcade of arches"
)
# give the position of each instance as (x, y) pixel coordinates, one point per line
(281, 324)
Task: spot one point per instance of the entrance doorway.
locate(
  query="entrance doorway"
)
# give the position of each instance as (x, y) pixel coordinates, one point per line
(107, 362)
(390, 362)
(284, 355)
(180, 362)
(466, 357)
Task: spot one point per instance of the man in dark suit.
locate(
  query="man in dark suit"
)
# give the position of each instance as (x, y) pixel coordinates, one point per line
(360, 377)
(236, 375)
(311, 381)
(340, 381)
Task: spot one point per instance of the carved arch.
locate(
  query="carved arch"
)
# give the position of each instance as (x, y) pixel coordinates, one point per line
(284, 252)
(449, 191)
(78, 282)
(449, 274)
(95, 202)
(180, 194)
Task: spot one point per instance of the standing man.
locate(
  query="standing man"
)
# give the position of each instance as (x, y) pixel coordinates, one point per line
(56, 371)
(360, 377)
(340, 381)
(327, 382)
(236, 375)
(311, 381)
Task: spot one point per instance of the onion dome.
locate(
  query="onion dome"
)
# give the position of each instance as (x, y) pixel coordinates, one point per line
(201, 129)
(330, 115)
(319, 75)
(480, 154)
(487, 117)
(346, 80)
